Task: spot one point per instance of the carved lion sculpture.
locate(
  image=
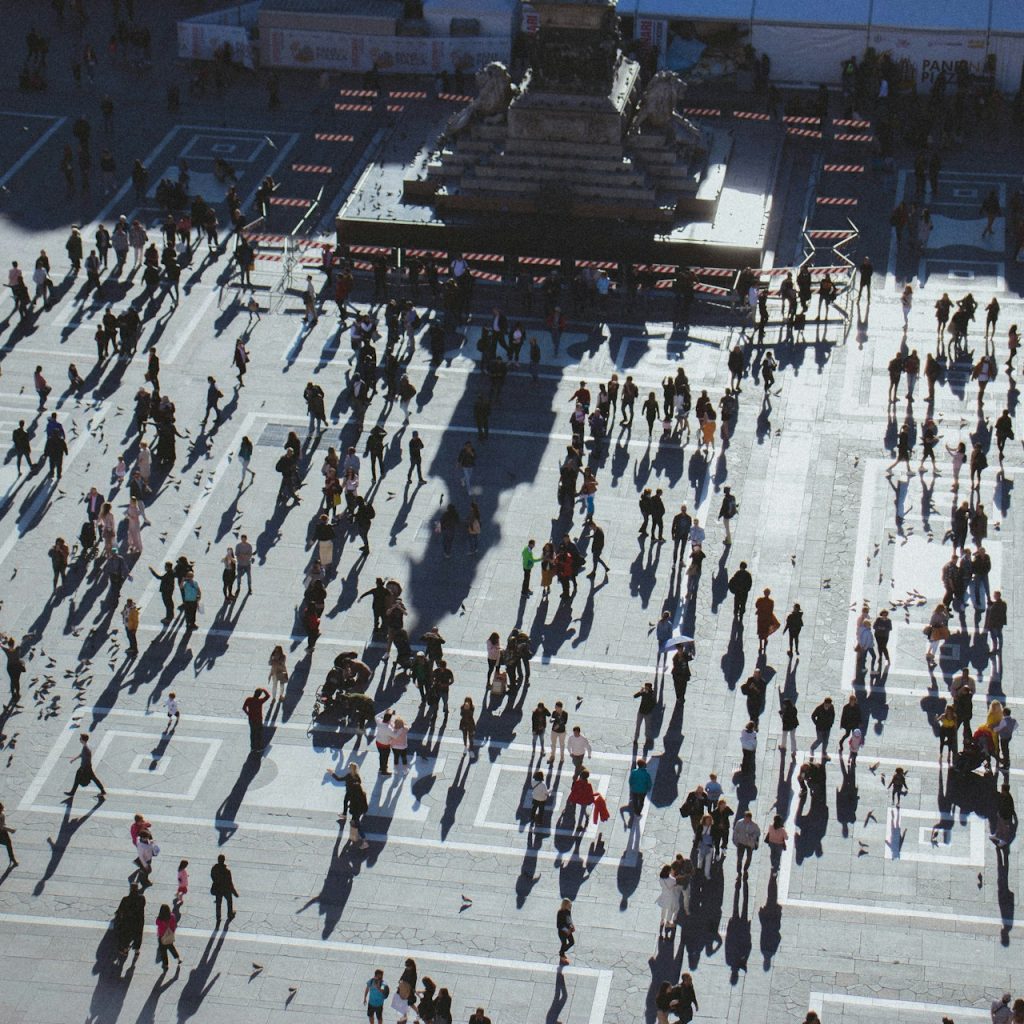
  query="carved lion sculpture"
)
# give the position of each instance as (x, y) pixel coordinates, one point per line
(664, 93)
(494, 94)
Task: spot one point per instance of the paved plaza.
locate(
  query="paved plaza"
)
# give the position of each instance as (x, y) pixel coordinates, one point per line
(878, 913)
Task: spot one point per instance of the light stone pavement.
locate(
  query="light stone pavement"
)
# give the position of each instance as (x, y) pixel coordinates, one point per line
(873, 915)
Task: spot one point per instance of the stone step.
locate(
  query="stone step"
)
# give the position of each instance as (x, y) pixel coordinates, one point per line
(576, 150)
(544, 172)
(636, 195)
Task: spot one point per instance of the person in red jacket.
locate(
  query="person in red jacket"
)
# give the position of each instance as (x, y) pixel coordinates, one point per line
(253, 708)
(582, 796)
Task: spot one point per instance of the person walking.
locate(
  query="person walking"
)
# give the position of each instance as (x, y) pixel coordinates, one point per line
(823, 717)
(467, 724)
(579, 749)
(790, 723)
(375, 995)
(5, 838)
(539, 796)
(566, 930)
(727, 512)
(130, 922)
(705, 843)
(767, 623)
(794, 625)
(222, 887)
(84, 774)
(166, 928)
(668, 899)
(776, 836)
(253, 708)
(740, 586)
(278, 675)
(746, 835)
(748, 746)
(640, 784)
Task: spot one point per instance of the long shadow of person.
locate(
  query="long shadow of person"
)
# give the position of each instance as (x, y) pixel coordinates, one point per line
(558, 999)
(456, 793)
(337, 886)
(199, 984)
(58, 847)
(738, 941)
(770, 917)
(147, 1015)
(111, 987)
(224, 820)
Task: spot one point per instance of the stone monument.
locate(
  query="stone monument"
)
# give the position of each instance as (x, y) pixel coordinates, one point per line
(579, 157)
(578, 136)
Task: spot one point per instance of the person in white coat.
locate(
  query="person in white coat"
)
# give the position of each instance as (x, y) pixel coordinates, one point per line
(668, 900)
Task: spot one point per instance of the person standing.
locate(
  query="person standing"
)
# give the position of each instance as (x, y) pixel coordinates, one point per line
(866, 271)
(84, 774)
(130, 617)
(167, 581)
(1004, 730)
(243, 561)
(222, 887)
(190, 597)
(995, 622)
(529, 561)
(776, 837)
(15, 667)
(166, 927)
(566, 930)
(668, 899)
(382, 739)
(253, 708)
(645, 714)
(882, 628)
(559, 719)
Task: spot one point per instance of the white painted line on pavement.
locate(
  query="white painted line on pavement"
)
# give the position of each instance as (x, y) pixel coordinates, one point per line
(49, 763)
(198, 504)
(242, 722)
(628, 858)
(46, 490)
(277, 638)
(30, 152)
(185, 335)
(147, 161)
(352, 948)
(934, 1010)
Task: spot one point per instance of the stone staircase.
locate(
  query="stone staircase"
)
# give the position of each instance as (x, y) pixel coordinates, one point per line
(486, 169)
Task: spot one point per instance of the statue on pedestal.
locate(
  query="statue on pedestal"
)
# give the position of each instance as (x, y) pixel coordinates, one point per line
(664, 93)
(495, 92)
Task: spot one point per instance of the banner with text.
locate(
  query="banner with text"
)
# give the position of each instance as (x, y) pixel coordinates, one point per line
(333, 51)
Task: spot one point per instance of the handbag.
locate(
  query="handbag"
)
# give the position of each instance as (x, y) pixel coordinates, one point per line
(927, 632)
(167, 939)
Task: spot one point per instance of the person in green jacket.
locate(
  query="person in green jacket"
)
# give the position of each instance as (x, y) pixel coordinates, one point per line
(529, 561)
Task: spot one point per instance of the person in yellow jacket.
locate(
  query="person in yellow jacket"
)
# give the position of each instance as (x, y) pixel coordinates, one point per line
(130, 617)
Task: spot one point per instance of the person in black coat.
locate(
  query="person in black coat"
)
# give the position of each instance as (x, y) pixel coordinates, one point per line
(129, 921)
(740, 586)
(222, 886)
